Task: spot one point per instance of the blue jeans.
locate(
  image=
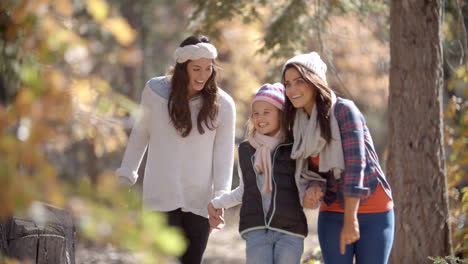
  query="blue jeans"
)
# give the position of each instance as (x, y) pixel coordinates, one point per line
(271, 247)
(373, 247)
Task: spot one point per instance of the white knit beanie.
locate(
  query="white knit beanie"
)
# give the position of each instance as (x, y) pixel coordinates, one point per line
(195, 52)
(312, 62)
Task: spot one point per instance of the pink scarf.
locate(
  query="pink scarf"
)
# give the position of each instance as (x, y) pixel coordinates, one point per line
(264, 145)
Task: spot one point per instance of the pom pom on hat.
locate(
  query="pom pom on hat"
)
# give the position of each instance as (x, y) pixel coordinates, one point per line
(312, 62)
(271, 93)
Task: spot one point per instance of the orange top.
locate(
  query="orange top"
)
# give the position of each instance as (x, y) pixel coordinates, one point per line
(315, 160)
(379, 202)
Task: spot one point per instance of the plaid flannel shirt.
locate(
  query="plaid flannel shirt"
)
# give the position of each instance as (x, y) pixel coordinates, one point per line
(362, 171)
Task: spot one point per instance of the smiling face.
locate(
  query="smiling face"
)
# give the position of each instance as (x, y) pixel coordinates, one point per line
(199, 71)
(301, 93)
(266, 118)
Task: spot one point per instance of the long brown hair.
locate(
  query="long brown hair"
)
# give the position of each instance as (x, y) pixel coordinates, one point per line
(323, 102)
(178, 104)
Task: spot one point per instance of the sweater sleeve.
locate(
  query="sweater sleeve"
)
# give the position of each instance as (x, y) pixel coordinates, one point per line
(306, 178)
(232, 198)
(351, 124)
(223, 148)
(137, 143)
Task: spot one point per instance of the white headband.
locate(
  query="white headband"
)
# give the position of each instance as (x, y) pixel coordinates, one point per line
(195, 52)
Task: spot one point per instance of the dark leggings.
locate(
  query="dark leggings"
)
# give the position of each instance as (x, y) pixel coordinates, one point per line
(196, 230)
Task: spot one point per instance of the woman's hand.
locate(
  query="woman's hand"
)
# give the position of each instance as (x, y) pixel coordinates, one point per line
(350, 231)
(349, 234)
(312, 196)
(216, 217)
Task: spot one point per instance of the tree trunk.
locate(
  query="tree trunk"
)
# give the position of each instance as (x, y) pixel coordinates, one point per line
(415, 166)
(52, 242)
(3, 237)
(133, 14)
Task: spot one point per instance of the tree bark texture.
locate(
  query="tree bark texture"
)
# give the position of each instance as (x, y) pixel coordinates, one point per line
(3, 237)
(415, 166)
(52, 243)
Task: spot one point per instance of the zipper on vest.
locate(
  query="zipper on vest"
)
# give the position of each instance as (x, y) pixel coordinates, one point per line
(273, 198)
(252, 160)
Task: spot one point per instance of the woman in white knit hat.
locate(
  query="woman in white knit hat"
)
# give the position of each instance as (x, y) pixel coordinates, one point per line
(335, 156)
(187, 124)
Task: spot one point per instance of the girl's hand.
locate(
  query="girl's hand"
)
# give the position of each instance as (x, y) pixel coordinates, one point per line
(215, 224)
(349, 233)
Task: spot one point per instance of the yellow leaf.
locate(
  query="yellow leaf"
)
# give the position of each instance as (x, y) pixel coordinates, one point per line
(112, 144)
(170, 241)
(101, 86)
(91, 133)
(5, 118)
(28, 7)
(461, 72)
(99, 148)
(121, 30)
(56, 80)
(131, 57)
(98, 9)
(121, 112)
(15, 261)
(83, 93)
(21, 11)
(107, 183)
(63, 7)
(57, 38)
(24, 100)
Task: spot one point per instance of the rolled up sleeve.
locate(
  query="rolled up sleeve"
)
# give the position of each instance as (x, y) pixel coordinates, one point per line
(351, 124)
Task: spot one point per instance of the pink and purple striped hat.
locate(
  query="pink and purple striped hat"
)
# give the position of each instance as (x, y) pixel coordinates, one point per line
(271, 93)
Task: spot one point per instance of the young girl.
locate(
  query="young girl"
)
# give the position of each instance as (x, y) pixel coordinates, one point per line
(272, 220)
(331, 139)
(188, 127)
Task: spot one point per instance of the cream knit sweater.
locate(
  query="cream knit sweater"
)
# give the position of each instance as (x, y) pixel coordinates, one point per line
(180, 172)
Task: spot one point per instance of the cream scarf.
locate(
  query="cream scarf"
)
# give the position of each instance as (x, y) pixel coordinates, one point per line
(264, 145)
(308, 142)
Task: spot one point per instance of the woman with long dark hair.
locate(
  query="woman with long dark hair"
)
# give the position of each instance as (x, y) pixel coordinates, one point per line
(187, 124)
(336, 159)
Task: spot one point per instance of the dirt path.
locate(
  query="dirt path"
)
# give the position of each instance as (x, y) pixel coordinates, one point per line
(224, 247)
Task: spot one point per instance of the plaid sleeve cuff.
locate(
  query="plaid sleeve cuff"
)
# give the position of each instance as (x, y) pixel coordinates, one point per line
(356, 191)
